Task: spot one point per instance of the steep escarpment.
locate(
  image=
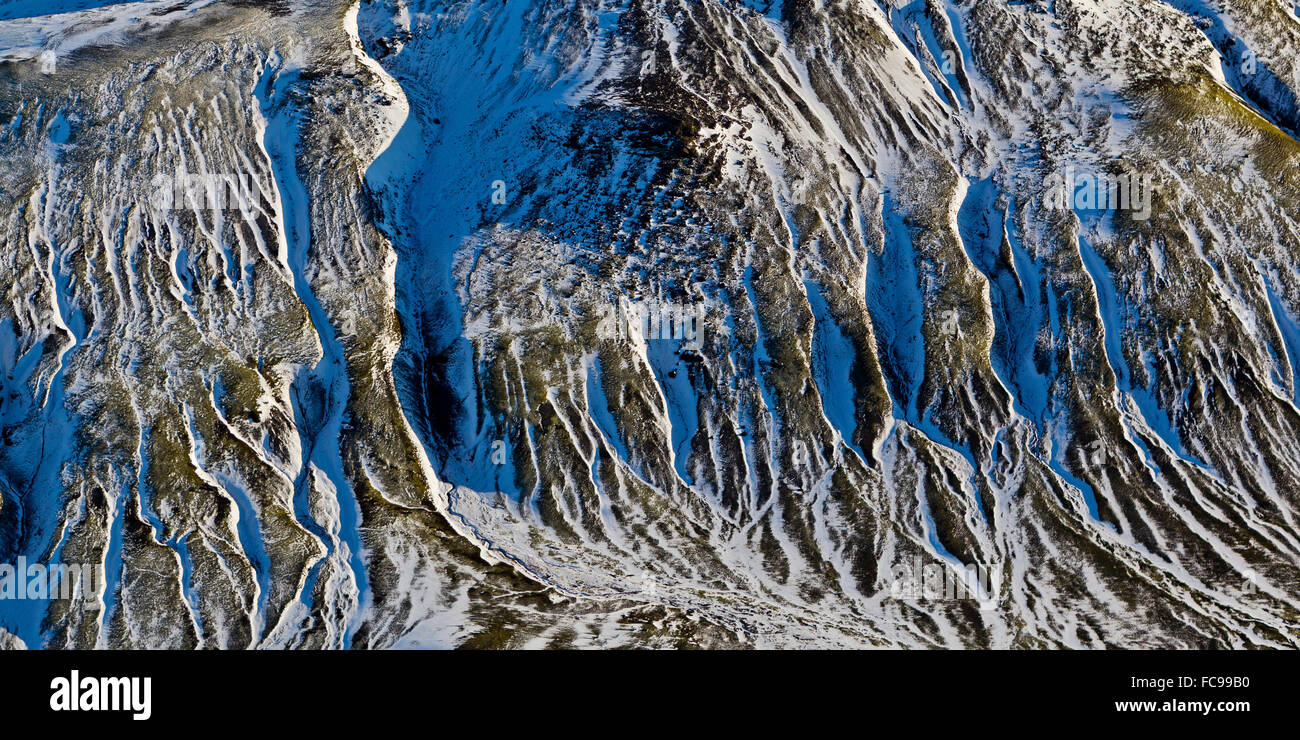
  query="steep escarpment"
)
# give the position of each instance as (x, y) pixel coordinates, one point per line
(654, 323)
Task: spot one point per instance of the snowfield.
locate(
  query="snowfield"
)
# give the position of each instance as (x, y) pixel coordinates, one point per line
(393, 396)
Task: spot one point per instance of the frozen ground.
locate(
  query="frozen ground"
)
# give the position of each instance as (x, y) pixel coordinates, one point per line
(392, 396)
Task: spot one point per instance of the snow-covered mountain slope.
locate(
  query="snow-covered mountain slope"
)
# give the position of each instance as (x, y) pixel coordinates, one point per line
(653, 323)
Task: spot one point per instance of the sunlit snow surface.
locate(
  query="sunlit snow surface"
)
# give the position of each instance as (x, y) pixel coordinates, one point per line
(391, 401)
(30, 27)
